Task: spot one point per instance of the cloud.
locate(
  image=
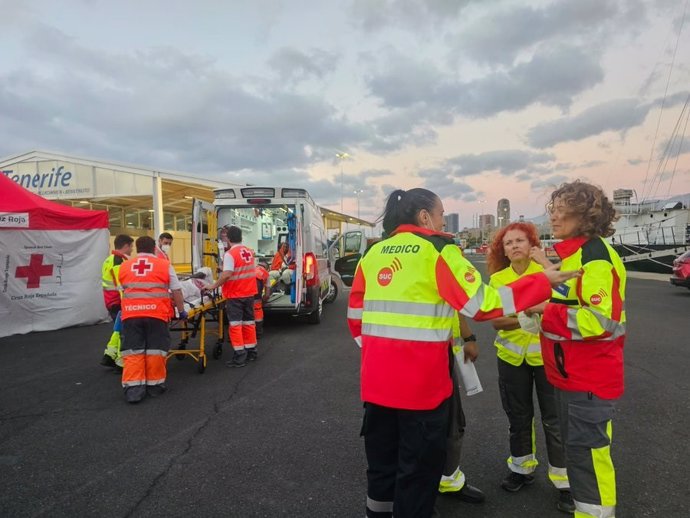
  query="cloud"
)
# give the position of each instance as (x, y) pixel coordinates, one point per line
(293, 65)
(406, 80)
(505, 162)
(552, 76)
(615, 115)
(499, 37)
(376, 173)
(673, 147)
(441, 181)
(376, 15)
(78, 101)
(549, 183)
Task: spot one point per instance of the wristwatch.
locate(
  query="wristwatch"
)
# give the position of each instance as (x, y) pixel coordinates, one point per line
(470, 338)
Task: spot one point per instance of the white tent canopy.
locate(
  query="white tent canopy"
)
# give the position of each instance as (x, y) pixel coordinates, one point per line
(50, 262)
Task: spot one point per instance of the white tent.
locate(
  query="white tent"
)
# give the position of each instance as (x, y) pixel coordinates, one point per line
(50, 262)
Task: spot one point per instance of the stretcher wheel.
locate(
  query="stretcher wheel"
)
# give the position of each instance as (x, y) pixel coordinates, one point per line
(218, 351)
(202, 365)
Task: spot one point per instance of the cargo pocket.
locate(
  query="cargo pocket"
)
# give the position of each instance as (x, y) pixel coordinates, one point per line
(363, 429)
(505, 401)
(559, 357)
(587, 423)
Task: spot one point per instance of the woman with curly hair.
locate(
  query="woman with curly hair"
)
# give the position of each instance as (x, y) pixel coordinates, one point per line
(582, 338)
(521, 368)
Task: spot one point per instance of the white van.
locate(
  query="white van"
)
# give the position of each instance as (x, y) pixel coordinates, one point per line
(269, 216)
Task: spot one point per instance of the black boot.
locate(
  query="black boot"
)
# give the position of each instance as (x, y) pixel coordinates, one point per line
(239, 359)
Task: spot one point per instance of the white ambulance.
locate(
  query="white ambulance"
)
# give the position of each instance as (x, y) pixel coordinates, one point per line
(269, 216)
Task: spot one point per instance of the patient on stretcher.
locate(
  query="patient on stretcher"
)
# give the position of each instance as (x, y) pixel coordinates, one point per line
(193, 286)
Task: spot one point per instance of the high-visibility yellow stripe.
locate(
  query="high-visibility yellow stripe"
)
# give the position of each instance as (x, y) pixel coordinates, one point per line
(524, 465)
(559, 477)
(453, 483)
(604, 471)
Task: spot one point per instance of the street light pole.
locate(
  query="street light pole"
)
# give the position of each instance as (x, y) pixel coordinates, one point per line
(357, 193)
(342, 157)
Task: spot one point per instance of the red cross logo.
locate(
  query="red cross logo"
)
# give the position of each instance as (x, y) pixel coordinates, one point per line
(246, 255)
(34, 271)
(141, 267)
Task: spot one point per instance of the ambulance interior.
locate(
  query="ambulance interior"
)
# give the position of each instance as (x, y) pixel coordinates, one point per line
(263, 230)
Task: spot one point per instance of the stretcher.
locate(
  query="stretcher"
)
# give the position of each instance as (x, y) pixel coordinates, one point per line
(199, 312)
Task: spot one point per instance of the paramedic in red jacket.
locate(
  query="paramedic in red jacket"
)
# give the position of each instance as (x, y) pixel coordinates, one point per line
(583, 332)
(238, 280)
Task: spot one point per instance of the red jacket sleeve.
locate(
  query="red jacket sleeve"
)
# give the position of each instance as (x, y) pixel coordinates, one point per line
(355, 306)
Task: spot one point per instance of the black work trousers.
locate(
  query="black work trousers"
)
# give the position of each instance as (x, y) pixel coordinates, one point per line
(456, 429)
(406, 451)
(517, 385)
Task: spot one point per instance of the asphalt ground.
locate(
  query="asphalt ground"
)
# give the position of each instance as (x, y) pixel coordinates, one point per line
(280, 437)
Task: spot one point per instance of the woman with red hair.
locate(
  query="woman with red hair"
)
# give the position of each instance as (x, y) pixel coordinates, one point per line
(521, 368)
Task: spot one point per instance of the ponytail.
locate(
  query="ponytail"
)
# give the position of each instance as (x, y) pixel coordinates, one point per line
(402, 207)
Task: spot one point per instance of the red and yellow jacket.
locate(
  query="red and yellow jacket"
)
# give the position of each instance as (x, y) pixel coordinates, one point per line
(583, 327)
(516, 345)
(109, 279)
(404, 298)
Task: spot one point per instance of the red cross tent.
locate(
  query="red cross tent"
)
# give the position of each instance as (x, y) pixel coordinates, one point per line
(50, 262)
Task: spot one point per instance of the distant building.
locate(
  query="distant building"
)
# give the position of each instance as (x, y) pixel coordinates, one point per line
(452, 222)
(487, 224)
(487, 221)
(503, 212)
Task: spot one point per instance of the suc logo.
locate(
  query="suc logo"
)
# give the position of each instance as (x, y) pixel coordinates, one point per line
(385, 275)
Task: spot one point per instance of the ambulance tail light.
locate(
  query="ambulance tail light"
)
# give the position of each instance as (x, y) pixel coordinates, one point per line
(311, 274)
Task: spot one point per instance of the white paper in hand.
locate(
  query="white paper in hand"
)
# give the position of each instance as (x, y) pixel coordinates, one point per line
(468, 375)
(529, 324)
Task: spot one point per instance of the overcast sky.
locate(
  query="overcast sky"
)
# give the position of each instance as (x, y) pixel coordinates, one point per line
(475, 100)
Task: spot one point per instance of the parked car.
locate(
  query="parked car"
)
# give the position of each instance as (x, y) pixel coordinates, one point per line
(347, 250)
(681, 271)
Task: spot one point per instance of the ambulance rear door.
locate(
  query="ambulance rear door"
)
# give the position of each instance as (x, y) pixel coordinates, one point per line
(204, 236)
(299, 251)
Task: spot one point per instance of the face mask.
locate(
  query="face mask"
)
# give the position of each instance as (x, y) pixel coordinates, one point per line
(166, 248)
(430, 225)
